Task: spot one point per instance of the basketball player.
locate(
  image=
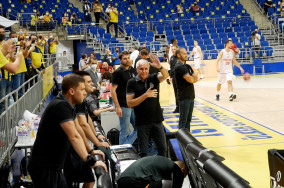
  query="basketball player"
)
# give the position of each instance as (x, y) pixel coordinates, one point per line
(198, 57)
(224, 67)
(169, 53)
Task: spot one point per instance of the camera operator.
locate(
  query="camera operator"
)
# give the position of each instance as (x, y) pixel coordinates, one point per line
(255, 37)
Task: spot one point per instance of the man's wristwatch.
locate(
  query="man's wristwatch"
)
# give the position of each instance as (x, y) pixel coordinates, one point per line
(161, 68)
(90, 152)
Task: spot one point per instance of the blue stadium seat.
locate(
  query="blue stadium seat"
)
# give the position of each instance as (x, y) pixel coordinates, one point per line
(264, 44)
(207, 41)
(210, 47)
(269, 51)
(205, 36)
(187, 36)
(223, 35)
(160, 29)
(214, 35)
(220, 46)
(190, 42)
(107, 36)
(231, 35)
(217, 41)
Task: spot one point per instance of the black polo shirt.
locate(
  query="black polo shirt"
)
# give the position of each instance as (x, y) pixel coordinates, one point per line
(153, 169)
(52, 144)
(152, 69)
(81, 109)
(185, 90)
(120, 78)
(149, 111)
(173, 62)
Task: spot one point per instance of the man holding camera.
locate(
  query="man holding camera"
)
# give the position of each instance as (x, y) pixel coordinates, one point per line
(255, 37)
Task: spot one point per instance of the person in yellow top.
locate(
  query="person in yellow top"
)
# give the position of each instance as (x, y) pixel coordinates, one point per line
(52, 42)
(97, 11)
(36, 57)
(18, 79)
(7, 48)
(48, 20)
(41, 43)
(113, 19)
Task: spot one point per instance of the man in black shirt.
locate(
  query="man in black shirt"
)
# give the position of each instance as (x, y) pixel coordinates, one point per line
(185, 77)
(173, 62)
(120, 78)
(144, 54)
(142, 94)
(56, 131)
(267, 4)
(150, 171)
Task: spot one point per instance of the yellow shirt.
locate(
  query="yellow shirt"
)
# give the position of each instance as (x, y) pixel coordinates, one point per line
(52, 48)
(47, 18)
(98, 8)
(113, 16)
(36, 57)
(3, 60)
(23, 67)
(41, 47)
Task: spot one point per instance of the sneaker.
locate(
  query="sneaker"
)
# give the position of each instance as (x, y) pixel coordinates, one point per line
(176, 110)
(232, 97)
(217, 97)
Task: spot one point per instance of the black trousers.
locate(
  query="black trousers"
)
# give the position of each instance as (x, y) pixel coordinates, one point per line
(97, 16)
(175, 91)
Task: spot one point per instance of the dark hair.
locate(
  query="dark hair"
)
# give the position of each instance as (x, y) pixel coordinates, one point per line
(173, 40)
(122, 54)
(93, 54)
(64, 51)
(178, 51)
(107, 75)
(1, 26)
(11, 33)
(196, 41)
(227, 41)
(165, 55)
(83, 56)
(71, 81)
(144, 52)
(82, 73)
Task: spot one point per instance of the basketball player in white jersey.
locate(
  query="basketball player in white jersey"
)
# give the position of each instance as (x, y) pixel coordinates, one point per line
(224, 66)
(169, 53)
(198, 57)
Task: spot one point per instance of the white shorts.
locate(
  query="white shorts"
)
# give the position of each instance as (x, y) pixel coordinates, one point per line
(223, 77)
(197, 63)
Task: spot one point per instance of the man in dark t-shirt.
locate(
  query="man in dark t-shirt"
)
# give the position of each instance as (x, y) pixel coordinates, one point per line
(55, 133)
(142, 95)
(267, 4)
(120, 78)
(150, 171)
(173, 62)
(185, 77)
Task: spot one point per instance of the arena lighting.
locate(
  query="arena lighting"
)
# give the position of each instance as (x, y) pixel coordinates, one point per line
(205, 167)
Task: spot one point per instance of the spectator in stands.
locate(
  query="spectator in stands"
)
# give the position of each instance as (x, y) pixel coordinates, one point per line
(151, 171)
(2, 34)
(65, 18)
(93, 73)
(105, 68)
(58, 122)
(173, 62)
(281, 8)
(108, 58)
(83, 65)
(195, 8)
(41, 43)
(115, 55)
(180, 9)
(52, 42)
(235, 49)
(7, 67)
(164, 59)
(36, 57)
(118, 92)
(74, 19)
(142, 95)
(48, 20)
(267, 4)
(97, 11)
(185, 77)
(87, 12)
(255, 37)
(134, 55)
(108, 9)
(37, 20)
(113, 20)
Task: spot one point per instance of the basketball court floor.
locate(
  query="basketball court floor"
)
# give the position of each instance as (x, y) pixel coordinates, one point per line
(241, 131)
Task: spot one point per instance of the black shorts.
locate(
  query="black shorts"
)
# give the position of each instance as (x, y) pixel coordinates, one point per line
(46, 178)
(75, 170)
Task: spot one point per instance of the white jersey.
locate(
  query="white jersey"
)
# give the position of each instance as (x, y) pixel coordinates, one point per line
(196, 53)
(226, 61)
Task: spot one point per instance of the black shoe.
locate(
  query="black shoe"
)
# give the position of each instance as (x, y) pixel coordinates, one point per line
(217, 97)
(232, 97)
(176, 110)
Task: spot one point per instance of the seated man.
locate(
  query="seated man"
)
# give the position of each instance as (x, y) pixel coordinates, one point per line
(151, 171)
(105, 67)
(195, 8)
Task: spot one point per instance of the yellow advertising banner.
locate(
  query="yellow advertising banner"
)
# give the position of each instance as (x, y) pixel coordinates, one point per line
(47, 80)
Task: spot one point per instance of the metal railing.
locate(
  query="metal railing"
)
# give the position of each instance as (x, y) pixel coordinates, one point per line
(12, 14)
